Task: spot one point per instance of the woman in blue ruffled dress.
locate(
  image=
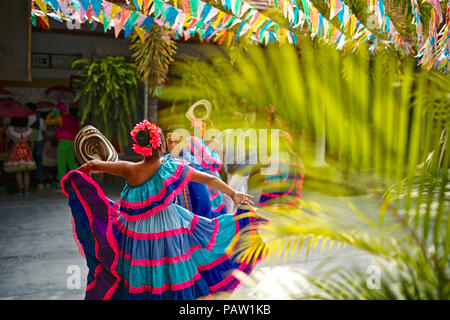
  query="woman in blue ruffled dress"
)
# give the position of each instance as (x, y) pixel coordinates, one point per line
(195, 197)
(212, 164)
(146, 246)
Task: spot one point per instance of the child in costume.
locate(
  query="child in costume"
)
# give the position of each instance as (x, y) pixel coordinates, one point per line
(20, 160)
(49, 156)
(146, 246)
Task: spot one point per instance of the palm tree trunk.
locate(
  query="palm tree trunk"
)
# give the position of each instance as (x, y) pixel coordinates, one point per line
(152, 109)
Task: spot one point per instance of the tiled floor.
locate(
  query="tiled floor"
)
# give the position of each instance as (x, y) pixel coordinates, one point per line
(37, 251)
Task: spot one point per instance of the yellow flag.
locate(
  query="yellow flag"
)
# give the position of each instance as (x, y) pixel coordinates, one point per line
(100, 17)
(140, 32)
(45, 18)
(255, 25)
(352, 24)
(219, 18)
(259, 21)
(42, 5)
(115, 10)
(147, 4)
(219, 35)
(282, 35)
(230, 38)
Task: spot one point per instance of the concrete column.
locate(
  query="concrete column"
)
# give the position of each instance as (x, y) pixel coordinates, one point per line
(15, 40)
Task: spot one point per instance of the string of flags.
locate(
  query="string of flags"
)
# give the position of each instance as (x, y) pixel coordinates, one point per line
(195, 17)
(214, 25)
(351, 24)
(435, 50)
(380, 20)
(387, 26)
(322, 27)
(417, 22)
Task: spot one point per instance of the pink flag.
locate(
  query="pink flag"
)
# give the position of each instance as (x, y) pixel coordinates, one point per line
(437, 8)
(140, 19)
(185, 4)
(63, 4)
(107, 6)
(336, 7)
(120, 20)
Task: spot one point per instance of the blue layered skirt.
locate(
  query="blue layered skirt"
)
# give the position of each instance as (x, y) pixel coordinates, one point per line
(172, 254)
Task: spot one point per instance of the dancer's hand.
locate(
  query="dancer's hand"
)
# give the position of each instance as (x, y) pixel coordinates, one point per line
(88, 167)
(85, 169)
(240, 198)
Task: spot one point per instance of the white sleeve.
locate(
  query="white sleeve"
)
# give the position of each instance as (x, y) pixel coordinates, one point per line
(43, 126)
(31, 119)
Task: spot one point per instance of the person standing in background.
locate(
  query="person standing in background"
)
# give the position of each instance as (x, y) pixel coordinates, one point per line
(49, 157)
(36, 123)
(5, 149)
(20, 160)
(67, 127)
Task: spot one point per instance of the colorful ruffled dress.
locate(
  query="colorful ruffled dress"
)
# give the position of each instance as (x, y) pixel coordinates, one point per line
(147, 247)
(285, 186)
(212, 164)
(20, 157)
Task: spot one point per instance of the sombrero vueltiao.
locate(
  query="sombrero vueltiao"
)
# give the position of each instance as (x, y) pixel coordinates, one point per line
(91, 144)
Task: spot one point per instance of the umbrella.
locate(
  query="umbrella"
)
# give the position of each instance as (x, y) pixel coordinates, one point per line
(44, 105)
(13, 109)
(60, 93)
(6, 94)
(59, 88)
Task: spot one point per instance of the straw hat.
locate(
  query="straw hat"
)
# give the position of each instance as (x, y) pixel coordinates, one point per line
(204, 114)
(91, 144)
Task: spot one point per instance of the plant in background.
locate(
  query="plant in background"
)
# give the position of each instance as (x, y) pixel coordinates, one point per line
(153, 55)
(108, 96)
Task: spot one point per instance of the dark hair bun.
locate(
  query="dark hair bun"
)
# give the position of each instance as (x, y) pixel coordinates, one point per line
(143, 138)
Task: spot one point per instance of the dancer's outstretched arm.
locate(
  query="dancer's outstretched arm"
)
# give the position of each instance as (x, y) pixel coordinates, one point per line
(123, 169)
(117, 168)
(238, 197)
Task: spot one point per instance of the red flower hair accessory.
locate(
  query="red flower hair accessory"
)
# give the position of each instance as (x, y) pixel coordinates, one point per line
(154, 141)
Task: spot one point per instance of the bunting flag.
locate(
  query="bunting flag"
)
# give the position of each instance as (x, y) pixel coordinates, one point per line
(84, 4)
(434, 52)
(443, 45)
(63, 5)
(317, 24)
(351, 25)
(335, 8)
(120, 20)
(417, 22)
(386, 25)
(43, 19)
